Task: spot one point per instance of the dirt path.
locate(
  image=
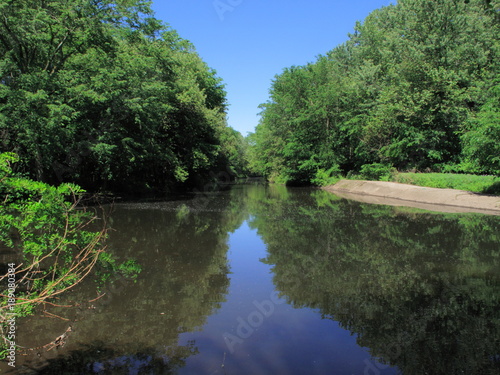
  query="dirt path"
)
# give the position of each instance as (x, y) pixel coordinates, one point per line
(395, 194)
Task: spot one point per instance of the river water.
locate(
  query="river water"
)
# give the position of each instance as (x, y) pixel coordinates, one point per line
(263, 279)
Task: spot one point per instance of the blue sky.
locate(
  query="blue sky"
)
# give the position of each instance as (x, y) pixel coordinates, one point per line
(248, 42)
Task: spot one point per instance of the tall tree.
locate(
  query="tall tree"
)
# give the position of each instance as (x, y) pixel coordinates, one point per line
(103, 94)
(401, 91)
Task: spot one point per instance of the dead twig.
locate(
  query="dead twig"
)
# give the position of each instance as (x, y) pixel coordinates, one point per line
(95, 299)
(56, 343)
(56, 316)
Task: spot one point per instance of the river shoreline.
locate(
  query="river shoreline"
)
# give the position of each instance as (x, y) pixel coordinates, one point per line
(433, 199)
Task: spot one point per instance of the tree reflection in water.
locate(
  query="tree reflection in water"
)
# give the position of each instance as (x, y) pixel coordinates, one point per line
(421, 290)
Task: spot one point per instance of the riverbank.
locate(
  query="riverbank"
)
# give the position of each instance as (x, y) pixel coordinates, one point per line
(434, 199)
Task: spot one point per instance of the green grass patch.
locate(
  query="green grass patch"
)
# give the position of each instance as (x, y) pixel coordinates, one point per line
(468, 182)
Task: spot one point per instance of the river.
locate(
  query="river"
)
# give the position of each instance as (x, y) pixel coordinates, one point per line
(261, 279)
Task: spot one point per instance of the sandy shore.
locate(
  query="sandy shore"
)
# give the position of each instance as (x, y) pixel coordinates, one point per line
(395, 194)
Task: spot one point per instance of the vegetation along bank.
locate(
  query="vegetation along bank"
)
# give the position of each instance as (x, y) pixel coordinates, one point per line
(110, 98)
(416, 87)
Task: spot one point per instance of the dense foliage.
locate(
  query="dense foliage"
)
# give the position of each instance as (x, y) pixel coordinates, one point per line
(415, 87)
(51, 244)
(102, 94)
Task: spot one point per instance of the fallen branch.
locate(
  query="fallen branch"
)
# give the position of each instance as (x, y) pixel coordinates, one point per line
(56, 316)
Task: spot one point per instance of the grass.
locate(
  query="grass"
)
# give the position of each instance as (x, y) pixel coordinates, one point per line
(468, 182)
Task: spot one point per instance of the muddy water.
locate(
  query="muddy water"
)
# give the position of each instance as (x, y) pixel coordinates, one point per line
(268, 280)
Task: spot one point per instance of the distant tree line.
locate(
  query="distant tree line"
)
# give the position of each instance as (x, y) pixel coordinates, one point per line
(102, 94)
(415, 87)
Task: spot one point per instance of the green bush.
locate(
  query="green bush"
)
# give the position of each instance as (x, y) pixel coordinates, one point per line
(481, 144)
(53, 247)
(377, 172)
(48, 234)
(326, 177)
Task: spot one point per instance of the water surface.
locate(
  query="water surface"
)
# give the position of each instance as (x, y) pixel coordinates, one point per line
(268, 280)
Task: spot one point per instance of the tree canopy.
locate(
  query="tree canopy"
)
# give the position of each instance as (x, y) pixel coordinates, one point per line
(103, 94)
(414, 87)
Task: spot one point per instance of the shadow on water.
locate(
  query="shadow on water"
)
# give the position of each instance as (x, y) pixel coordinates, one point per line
(99, 358)
(420, 290)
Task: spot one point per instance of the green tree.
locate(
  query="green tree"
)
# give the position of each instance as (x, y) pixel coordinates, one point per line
(434, 56)
(482, 140)
(400, 92)
(103, 94)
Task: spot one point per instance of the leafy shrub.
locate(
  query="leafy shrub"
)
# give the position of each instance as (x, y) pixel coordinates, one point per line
(326, 177)
(481, 144)
(377, 171)
(53, 247)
